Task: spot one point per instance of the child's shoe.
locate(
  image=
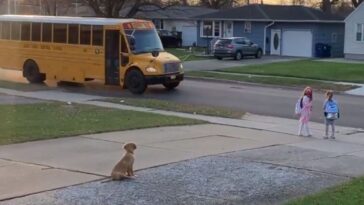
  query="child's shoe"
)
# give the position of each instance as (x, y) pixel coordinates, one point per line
(326, 137)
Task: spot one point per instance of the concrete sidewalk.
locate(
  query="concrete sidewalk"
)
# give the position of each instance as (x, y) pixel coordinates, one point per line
(33, 167)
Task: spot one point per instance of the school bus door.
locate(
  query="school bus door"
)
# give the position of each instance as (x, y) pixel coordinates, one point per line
(112, 57)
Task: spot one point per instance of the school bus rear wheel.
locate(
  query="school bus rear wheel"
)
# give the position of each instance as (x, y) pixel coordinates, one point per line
(135, 81)
(31, 72)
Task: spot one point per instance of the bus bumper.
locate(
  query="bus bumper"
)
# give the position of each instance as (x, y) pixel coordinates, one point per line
(160, 79)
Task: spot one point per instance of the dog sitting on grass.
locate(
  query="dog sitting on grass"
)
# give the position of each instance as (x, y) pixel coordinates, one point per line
(124, 168)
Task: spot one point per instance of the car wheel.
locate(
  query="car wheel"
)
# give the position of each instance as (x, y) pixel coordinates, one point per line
(238, 55)
(171, 86)
(258, 54)
(135, 82)
(218, 58)
(32, 74)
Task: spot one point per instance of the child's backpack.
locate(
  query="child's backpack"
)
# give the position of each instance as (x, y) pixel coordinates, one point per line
(332, 109)
(298, 108)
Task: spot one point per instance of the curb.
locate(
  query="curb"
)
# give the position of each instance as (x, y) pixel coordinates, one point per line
(214, 80)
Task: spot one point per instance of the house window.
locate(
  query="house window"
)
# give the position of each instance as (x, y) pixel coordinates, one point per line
(359, 32)
(217, 28)
(211, 29)
(334, 38)
(158, 24)
(247, 27)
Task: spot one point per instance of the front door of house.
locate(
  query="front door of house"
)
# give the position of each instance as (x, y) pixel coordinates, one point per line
(228, 29)
(275, 42)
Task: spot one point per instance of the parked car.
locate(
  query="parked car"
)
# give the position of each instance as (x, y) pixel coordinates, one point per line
(236, 47)
(170, 39)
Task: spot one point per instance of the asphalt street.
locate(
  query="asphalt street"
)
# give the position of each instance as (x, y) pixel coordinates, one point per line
(270, 101)
(263, 100)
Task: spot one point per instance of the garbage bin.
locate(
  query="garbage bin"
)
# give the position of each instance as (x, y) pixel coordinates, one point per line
(323, 50)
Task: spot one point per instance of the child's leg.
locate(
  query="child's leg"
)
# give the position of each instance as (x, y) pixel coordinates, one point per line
(326, 129)
(307, 129)
(300, 127)
(333, 129)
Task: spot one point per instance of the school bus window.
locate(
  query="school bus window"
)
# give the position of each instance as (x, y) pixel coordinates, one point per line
(85, 33)
(36, 31)
(73, 32)
(97, 35)
(5, 32)
(59, 33)
(25, 31)
(15, 31)
(47, 32)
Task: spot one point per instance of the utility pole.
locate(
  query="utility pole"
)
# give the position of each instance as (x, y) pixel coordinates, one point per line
(9, 10)
(15, 9)
(40, 7)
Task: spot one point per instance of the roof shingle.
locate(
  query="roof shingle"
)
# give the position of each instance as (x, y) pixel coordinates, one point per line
(272, 13)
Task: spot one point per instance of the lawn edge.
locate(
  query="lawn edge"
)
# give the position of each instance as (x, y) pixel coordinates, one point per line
(215, 80)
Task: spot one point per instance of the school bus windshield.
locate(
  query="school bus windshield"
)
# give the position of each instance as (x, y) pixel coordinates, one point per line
(145, 41)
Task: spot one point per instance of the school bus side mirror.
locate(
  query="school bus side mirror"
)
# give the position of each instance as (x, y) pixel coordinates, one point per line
(155, 54)
(132, 41)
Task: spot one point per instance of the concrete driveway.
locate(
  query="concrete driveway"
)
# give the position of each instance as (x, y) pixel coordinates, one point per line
(214, 64)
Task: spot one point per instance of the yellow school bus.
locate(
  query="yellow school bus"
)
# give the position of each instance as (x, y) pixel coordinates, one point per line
(125, 52)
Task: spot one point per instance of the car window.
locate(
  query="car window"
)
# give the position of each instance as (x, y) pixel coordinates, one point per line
(224, 41)
(247, 42)
(239, 41)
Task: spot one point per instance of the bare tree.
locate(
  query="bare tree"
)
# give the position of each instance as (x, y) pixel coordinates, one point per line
(55, 7)
(356, 3)
(326, 5)
(218, 4)
(298, 2)
(112, 8)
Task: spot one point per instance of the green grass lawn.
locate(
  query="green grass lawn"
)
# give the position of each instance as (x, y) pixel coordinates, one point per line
(307, 69)
(181, 107)
(184, 55)
(21, 123)
(351, 193)
(272, 80)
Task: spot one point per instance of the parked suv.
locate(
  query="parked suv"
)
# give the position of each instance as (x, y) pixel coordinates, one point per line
(170, 39)
(236, 47)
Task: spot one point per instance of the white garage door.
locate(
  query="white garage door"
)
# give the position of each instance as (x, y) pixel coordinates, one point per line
(189, 35)
(297, 43)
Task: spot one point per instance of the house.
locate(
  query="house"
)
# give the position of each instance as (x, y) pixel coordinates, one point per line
(354, 34)
(175, 18)
(279, 30)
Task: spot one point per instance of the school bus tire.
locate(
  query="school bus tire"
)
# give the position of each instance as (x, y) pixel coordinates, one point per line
(135, 81)
(31, 72)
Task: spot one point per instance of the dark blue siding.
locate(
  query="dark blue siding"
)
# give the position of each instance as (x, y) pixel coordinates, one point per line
(324, 34)
(257, 31)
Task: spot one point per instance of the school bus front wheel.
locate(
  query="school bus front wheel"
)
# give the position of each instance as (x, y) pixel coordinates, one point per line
(135, 81)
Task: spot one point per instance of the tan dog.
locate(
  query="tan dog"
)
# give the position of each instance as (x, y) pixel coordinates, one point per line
(124, 168)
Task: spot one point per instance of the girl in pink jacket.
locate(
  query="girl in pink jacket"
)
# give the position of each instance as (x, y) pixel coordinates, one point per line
(306, 105)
